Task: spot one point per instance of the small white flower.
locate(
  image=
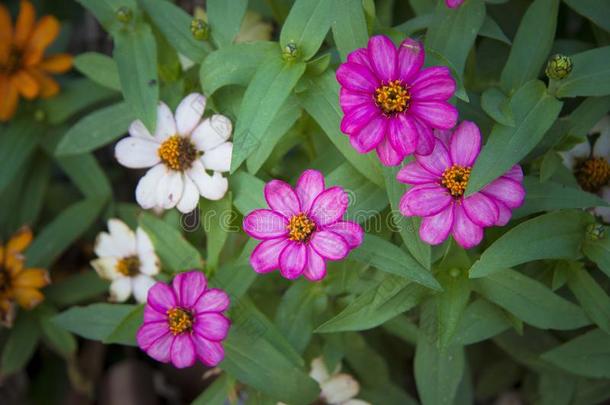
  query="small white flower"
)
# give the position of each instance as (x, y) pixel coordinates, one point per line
(180, 153)
(127, 259)
(337, 388)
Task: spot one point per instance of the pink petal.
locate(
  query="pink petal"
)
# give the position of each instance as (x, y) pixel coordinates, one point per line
(309, 186)
(437, 161)
(188, 287)
(316, 266)
(367, 138)
(356, 119)
(433, 83)
(387, 154)
(350, 231)
(212, 326)
(329, 206)
(351, 101)
(357, 77)
(426, 139)
(361, 57)
(152, 315)
(465, 144)
(293, 260)
(465, 232)
(150, 332)
(453, 3)
(329, 245)
(161, 297)
(213, 300)
(515, 173)
(410, 59)
(437, 114)
(435, 229)
(403, 134)
(210, 353)
(403, 205)
(507, 191)
(481, 209)
(504, 214)
(444, 135)
(265, 257)
(282, 198)
(265, 224)
(428, 200)
(160, 350)
(383, 56)
(414, 173)
(183, 351)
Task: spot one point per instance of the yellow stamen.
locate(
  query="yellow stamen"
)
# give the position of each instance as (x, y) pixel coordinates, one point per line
(455, 179)
(180, 320)
(177, 153)
(393, 97)
(592, 174)
(128, 266)
(300, 228)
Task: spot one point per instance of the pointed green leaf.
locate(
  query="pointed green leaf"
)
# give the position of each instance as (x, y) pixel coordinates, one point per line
(99, 68)
(306, 26)
(95, 321)
(587, 355)
(349, 26)
(225, 18)
(590, 75)
(592, 297)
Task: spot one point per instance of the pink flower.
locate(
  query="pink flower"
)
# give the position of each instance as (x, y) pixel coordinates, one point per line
(453, 3)
(391, 103)
(440, 180)
(303, 228)
(185, 322)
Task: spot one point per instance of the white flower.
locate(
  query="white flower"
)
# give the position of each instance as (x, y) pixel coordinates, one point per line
(180, 153)
(337, 388)
(591, 166)
(127, 259)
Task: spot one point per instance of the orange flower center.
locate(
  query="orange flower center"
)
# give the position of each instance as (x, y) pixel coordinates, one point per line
(300, 228)
(180, 320)
(392, 98)
(592, 174)
(128, 266)
(12, 63)
(178, 153)
(455, 180)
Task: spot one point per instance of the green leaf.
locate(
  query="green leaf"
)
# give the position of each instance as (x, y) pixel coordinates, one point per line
(105, 11)
(77, 288)
(592, 297)
(590, 75)
(173, 249)
(21, 343)
(587, 355)
(60, 233)
(480, 321)
(496, 105)
(86, 174)
(234, 64)
(225, 18)
(248, 192)
(95, 321)
(99, 68)
(175, 24)
(556, 389)
(216, 217)
(525, 61)
(596, 11)
(530, 300)
(349, 26)
(270, 87)
(599, 252)
(59, 339)
(17, 144)
(389, 258)
(125, 331)
(135, 53)
(306, 26)
(321, 101)
(534, 111)
(35, 188)
(216, 393)
(551, 236)
(491, 29)
(451, 304)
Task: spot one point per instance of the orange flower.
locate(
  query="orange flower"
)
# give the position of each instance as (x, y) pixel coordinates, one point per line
(19, 285)
(24, 70)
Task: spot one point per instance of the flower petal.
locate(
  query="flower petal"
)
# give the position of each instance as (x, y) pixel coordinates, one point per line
(9, 99)
(316, 266)
(25, 24)
(351, 101)
(369, 136)
(329, 245)
(150, 332)
(189, 113)
(465, 232)
(169, 189)
(293, 260)
(410, 59)
(146, 191)
(211, 187)
(414, 173)
(188, 287)
(339, 388)
(515, 173)
(426, 200)
(403, 134)
(213, 300)
(212, 326)
(219, 158)
(504, 214)
(44, 33)
(433, 83)
(136, 153)
(265, 257)
(383, 57)
(387, 154)
(361, 57)
(210, 353)
(580, 151)
(190, 196)
(58, 63)
(166, 125)
(265, 224)
(140, 285)
(161, 297)
(357, 77)
(32, 278)
(212, 132)
(309, 186)
(120, 289)
(507, 191)
(105, 267)
(437, 161)
(435, 229)
(282, 198)
(437, 114)
(481, 209)
(350, 231)
(152, 315)
(161, 348)
(329, 206)
(137, 129)
(183, 351)
(465, 144)
(426, 140)
(353, 121)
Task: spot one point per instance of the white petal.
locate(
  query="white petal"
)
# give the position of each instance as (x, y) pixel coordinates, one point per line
(141, 284)
(219, 158)
(189, 113)
(580, 151)
(106, 268)
(355, 402)
(339, 388)
(210, 187)
(169, 190)
(212, 132)
(146, 191)
(149, 264)
(123, 236)
(139, 130)
(601, 126)
(105, 246)
(319, 372)
(166, 126)
(120, 289)
(137, 153)
(601, 149)
(190, 196)
(144, 245)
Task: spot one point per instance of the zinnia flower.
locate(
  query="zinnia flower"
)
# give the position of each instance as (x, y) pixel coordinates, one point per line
(180, 153)
(303, 228)
(185, 322)
(18, 284)
(24, 69)
(336, 388)
(440, 180)
(390, 103)
(128, 260)
(453, 3)
(591, 166)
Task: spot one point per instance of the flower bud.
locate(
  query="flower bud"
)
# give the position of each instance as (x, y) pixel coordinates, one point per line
(200, 29)
(558, 67)
(596, 231)
(290, 52)
(124, 14)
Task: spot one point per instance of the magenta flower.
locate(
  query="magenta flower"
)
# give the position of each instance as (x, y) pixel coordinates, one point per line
(390, 103)
(440, 180)
(453, 3)
(303, 228)
(185, 322)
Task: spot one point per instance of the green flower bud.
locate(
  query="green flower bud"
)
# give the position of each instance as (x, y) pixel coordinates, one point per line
(558, 67)
(291, 52)
(200, 29)
(124, 14)
(596, 231)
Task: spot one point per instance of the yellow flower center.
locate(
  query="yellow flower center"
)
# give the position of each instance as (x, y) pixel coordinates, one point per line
(128, 266)
(300, 228)
(180, 320)
(455, 179)
(392, 98)
(592, 174)
(178, 153)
